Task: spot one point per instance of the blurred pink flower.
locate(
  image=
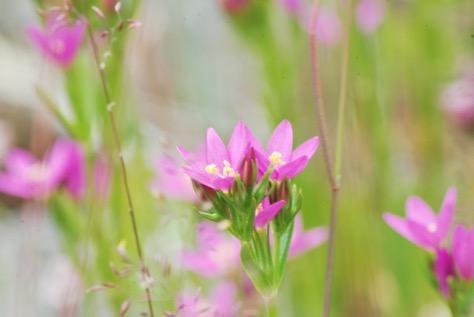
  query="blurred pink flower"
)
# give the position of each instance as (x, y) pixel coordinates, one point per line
(26, 177)
(421, 226)
(328, 28)
(217, 166)
(279, 154)
(171, 181)
(458, 100)
(295, 7)
(234, 6)
(463, 252)
(59, 40)
(102, 174)
(267, 211)
(303, 241)
(222, 302)
(443, 269)
(216, 254)
(369, 14)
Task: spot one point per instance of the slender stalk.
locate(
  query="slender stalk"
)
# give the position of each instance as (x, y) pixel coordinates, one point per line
(333, 172)
(123, 169)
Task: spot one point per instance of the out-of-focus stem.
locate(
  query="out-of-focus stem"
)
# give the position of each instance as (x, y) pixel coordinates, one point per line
(123, 169)
(333, 173)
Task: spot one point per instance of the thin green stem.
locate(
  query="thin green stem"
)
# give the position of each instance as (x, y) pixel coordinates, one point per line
(333, 172)
(123, 169)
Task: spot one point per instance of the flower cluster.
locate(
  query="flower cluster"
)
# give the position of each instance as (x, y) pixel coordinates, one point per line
(453, 251)
(28, 178)
(252, 194)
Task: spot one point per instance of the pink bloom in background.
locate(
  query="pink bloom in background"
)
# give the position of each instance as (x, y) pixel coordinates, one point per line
(266, 212)
(369, 14)
(463, 252)
(26, 177)
(59, 41)
(217, 167)
(171, 181)
(443, 269)
(279, 153)
(216, 254)
(222, 302)
(295, 7)
(458, 100)
(422, 226)
(303, 241)
(234, 6)
(102, 174)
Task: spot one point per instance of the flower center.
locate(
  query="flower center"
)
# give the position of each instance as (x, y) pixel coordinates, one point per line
(227, 170)
(276, 159)
(432, 227)
(57, 46)
(38, 172)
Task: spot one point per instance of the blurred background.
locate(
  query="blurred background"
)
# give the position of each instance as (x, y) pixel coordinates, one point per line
(409, 129)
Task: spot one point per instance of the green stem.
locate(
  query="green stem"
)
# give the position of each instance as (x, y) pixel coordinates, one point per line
(271, 309)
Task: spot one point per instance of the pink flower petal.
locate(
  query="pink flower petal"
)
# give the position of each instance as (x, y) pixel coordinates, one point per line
(291, 169)
(282, 140)
(419, 211)
(268, 213)
(443, 268)
(446, 214)
(307, 149)
(216, 152)
(238, 145)
(370, 14)
(399, 225)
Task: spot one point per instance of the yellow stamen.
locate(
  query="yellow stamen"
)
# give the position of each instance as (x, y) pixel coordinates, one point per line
(212, 169)
(275, 159)
(228, 171)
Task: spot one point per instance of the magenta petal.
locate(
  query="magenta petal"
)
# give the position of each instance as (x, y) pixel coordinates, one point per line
(419, 211)
(200, 177)
(19, 161)
(196, 262)
(424, 238)
(238, 145)
(463, 252)
(370, 14)
(224, 300)
(268, 213)
(171, 180)
(292, 169)
(307, 149)
(308, 240)
(282, 140)
(13, 186)
(399, 225)
(446, 214)
(216, 152)
(443, 268)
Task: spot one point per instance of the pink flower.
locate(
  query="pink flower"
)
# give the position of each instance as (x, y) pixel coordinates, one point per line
(443, 269)
(458, 101)
(28, 178)
(279, 153)
(234, 6)
(370, 14)
(171, 181)
(303, 241)
(463, 252)
(221, 303)
(422, 227)
(217, 166)
(102, 174)
(59, 41)
(216, 253)
(266, 212)
(295, 7)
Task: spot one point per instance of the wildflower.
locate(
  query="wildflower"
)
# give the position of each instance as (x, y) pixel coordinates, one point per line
(59, 40)
(422, 227)
(171, 181)
(303, 241)
(234, 6)
(222, 302)
(370, 14)
(279, 155)
(463, 252)
(26, 177)
(216, 253)
(266, 211)
(458, 101)
(218, 165)
(443, 269)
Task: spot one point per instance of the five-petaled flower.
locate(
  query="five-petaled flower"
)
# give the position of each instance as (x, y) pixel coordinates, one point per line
(422, 226)
(59, 40)
(26, 177)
